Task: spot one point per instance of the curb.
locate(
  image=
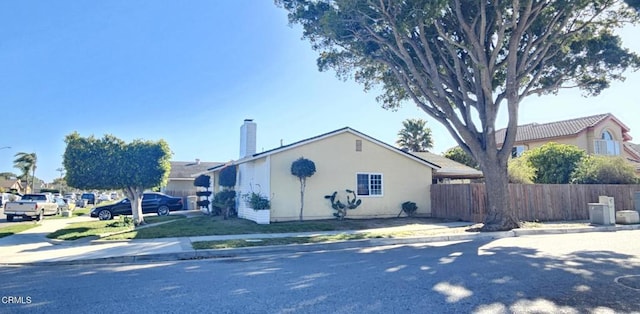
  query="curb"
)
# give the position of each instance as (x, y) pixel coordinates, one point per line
(314, 247)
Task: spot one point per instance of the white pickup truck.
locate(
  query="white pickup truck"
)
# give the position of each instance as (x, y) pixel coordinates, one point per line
(31, 206)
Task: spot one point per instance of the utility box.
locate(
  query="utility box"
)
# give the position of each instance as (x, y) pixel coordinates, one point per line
(627, 217)
(600, 214)
(602, 199)
(192, 202)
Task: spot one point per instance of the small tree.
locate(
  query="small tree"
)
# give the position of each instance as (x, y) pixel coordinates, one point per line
(554, 162)
(302, 168)
(604, 170)
(203, 181)
(225, 199)
(109, 163)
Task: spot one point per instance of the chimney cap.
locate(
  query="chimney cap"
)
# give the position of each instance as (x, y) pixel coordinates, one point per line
(248, 120)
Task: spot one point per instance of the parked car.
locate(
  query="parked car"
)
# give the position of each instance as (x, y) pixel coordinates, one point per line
(31, 206)
(152, 202)
(103, 198)
(90, 197)
(63, 204)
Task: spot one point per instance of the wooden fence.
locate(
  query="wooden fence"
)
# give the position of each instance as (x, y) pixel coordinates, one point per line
(531, 202)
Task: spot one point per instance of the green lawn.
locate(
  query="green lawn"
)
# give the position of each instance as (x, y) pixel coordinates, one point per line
(99, 227)
(17, 228)
(205, 225)
(79, 211)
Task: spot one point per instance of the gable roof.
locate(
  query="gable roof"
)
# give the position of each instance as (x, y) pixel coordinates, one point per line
(450, 168)
(321, 137)
(186, 169)
(634, 149)
(9, 183)
(535, 131)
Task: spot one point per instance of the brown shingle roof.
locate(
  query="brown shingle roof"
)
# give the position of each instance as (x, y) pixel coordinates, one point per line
(184, 169)
(449, 168)
(535, 131)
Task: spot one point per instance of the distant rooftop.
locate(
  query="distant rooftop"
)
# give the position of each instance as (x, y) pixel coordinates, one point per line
(536, 131)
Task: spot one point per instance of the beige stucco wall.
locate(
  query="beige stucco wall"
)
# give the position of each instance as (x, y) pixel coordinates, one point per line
(337, 163)
(581, 141)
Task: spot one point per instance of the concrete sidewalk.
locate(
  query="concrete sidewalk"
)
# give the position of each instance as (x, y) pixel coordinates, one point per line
(31, 247)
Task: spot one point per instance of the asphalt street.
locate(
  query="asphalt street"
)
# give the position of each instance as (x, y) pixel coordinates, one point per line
(569, 273)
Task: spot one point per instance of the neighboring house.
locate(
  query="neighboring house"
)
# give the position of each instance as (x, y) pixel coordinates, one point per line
(383, 176)
(12, 185)
(450, 171)
(180, 182)
(601, 134)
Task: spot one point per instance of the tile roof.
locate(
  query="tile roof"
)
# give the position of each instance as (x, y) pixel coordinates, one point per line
(634, 148)
(184, 169)
(536, 131)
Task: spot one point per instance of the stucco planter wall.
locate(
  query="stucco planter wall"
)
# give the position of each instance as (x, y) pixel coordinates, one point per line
(262, 216)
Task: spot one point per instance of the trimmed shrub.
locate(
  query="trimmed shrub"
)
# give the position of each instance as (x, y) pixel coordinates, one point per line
(604, 170)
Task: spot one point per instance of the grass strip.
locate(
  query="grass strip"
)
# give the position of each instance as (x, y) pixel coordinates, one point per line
(13, 229)
(239, 243)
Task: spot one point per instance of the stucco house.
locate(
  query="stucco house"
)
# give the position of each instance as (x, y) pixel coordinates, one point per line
(381, 175)
(180, 182)
(601, 134)
(12, 185)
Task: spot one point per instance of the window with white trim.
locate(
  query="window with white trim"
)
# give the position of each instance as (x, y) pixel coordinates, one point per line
(369, 184)
(607, 145)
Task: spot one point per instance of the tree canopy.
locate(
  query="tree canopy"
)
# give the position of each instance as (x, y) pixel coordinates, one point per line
(462, 61)
(553, 163)
(110, 163)
(415, 136)
(459, 155)
(604, 170)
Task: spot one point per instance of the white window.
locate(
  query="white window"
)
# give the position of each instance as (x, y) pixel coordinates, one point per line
(369, 184)
(606, 145)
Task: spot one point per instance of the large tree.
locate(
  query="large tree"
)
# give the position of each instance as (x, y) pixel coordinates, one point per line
(27, 163)
(415, 136)
(110, 163)
(462, 61)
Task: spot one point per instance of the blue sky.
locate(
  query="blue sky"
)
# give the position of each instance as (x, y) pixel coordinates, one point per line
(191, 71)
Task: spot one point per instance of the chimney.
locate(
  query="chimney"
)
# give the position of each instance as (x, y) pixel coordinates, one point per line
(248, 138)
(197, 161)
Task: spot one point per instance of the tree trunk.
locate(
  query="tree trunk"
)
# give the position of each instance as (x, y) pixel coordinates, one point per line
(302, 186)
(135, 196)
(498, 216)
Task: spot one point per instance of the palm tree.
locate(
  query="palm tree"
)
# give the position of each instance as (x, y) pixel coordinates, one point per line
(27, 163)
(415, 136)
